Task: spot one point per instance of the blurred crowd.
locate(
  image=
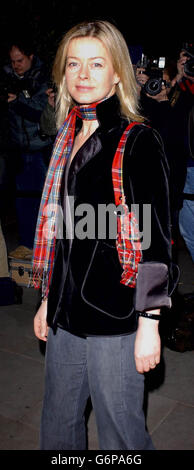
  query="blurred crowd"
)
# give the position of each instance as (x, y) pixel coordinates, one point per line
(166, 99)
(27, 132)
(166, 96)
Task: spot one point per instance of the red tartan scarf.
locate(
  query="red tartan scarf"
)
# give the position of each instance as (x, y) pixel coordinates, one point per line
(46, 229)
(45, 237)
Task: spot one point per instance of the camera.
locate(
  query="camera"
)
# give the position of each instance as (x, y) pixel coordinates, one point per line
(188, 49)
(154, 69)
(21, 86)
(14, 86)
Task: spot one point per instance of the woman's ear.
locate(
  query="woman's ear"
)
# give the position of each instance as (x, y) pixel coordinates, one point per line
(116, 79)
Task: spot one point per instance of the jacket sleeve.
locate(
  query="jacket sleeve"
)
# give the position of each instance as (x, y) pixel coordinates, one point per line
(146, 175)
(47, 121)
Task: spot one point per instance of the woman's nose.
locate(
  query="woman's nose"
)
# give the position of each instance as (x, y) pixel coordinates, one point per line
(83, 72)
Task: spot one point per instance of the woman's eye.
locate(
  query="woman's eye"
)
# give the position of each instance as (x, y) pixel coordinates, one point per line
(72, 65)
(96, 65)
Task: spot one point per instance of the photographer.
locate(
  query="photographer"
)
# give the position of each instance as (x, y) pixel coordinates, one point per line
(25, 83)
(154, 85)
(185, 68)
(171, 112)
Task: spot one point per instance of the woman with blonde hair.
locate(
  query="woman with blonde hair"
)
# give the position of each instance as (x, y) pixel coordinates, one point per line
(102, 290)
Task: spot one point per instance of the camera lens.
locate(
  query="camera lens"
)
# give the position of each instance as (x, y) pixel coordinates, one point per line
(153, 86)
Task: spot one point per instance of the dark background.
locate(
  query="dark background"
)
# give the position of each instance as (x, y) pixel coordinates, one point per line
(160, 28)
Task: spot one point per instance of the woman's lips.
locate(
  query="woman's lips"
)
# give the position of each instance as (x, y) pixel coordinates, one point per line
(84, 88)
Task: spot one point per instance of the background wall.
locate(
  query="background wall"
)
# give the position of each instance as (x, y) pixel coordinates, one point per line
(159, 28)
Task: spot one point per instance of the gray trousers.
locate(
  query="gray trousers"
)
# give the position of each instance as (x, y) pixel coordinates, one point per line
(102, 368)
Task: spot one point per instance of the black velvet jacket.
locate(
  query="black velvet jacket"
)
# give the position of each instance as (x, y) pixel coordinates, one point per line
(86, 297)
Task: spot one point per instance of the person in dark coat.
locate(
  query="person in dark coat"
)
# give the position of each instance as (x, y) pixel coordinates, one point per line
(25, 82)
(100, 313)
(10, 293)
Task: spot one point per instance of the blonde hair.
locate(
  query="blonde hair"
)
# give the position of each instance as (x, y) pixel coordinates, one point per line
(114, 42)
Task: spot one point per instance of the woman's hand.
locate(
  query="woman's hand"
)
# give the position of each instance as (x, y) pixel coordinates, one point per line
(11, 97)
(180, 67)
(51, 97)
(40, 324)
(162, 96)
(141, 76)
(147, 345)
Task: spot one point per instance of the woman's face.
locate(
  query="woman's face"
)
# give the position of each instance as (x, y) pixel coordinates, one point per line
(89, 72)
